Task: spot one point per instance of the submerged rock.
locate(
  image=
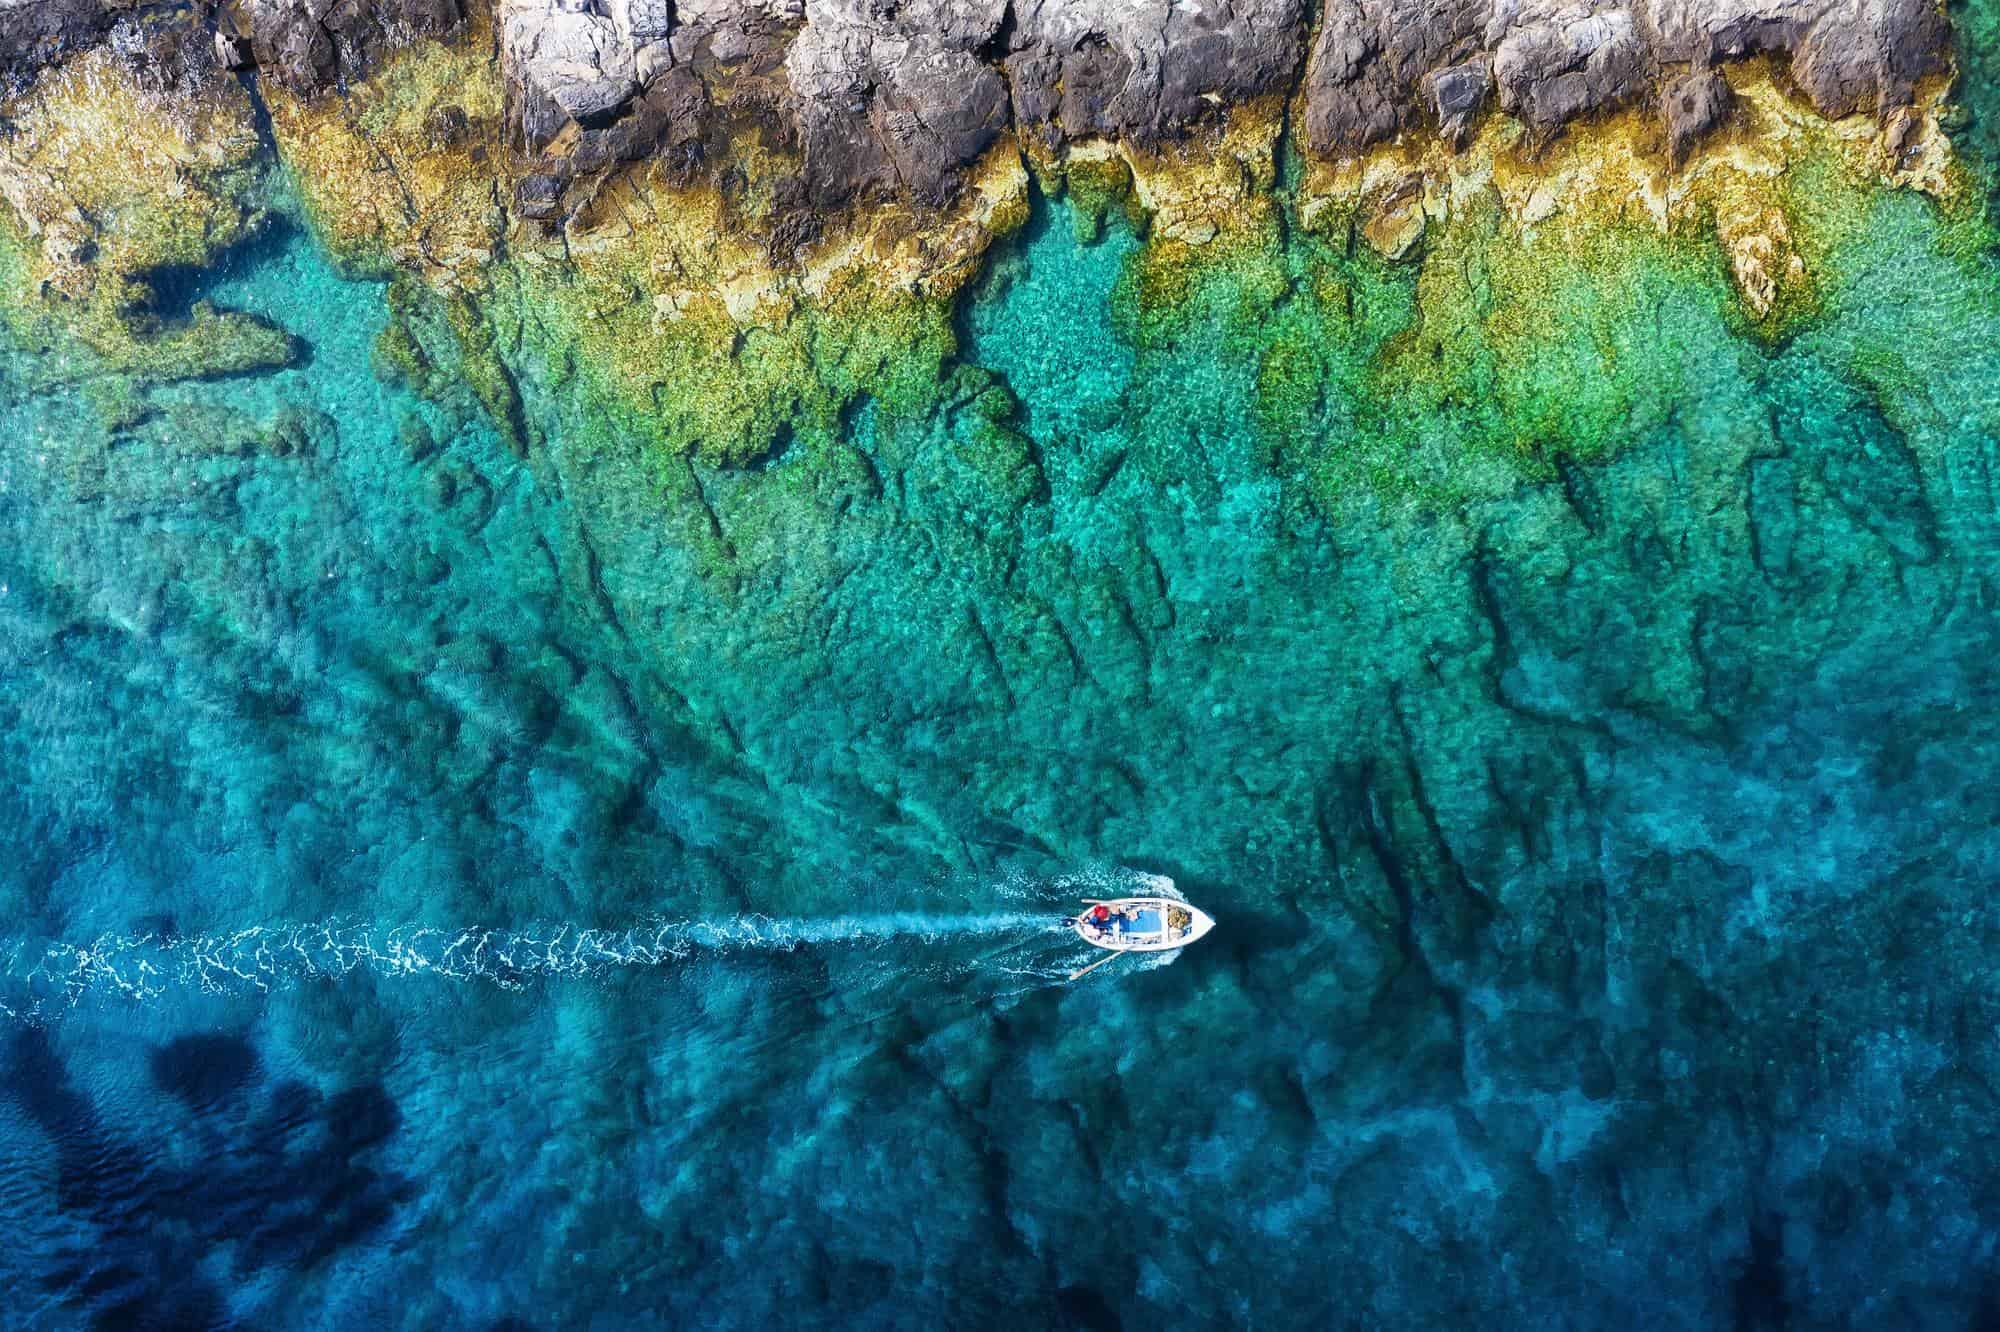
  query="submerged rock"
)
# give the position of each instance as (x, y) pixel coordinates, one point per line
(1396, 226)
(99, 220)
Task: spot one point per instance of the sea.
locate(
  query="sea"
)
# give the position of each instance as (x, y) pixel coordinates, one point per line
(433, 894)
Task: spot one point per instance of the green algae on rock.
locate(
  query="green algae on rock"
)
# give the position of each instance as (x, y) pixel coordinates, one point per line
(657, 295)
(113, 187)
(1437, 313)
(1550, 303)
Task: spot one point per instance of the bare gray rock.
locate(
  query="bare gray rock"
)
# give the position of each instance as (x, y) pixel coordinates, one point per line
(166, 43)
(1867, 55)
(1374, 67)
(645, 26)
(897, 98)
(311, 46)
(1146, 71)
(735, 33)
(1556, 61)
(35, 33)
(570, 55)
(675, 68)
(1693, 105)
(894, 96)
(1372, 57)
(1456, 94)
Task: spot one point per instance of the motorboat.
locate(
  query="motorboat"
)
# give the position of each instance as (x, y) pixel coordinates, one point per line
(1141, 924)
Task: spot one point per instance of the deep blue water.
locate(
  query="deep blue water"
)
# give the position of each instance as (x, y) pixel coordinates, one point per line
(434, 897)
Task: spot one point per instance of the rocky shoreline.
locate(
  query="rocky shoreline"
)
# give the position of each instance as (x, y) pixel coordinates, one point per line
(737, 220)
(870, 102)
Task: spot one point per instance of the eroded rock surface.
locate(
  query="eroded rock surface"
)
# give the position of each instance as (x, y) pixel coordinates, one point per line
(897, 98)
(1146, 72)
(312, 46)
(1694, 104)
(35, 32)
(1376, 63)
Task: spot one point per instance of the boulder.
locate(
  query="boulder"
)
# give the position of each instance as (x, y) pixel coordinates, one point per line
(894, 97)
(568, 55)
(1372, 57)
(1456, 94)
(1145, 72)
(1692, 106)
(1378, 63)
(1558, 61)
(1867, 55)
(748, 36)
(311, 46)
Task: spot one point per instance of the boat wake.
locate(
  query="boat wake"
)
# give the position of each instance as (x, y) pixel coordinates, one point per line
(37, 978)
(1026, 948)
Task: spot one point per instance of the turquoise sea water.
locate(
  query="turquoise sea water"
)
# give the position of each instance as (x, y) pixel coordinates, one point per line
(437, 895)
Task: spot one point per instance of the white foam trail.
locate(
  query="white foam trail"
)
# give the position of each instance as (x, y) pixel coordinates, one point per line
(56, 974)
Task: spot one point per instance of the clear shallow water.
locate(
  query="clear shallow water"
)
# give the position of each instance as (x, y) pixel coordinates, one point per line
(1602, 862)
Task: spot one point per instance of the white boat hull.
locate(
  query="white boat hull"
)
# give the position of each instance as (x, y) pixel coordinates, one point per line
(1144, 925)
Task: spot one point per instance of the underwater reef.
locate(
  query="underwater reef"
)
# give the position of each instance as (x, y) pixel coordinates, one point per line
(663, 186)
(582, 583)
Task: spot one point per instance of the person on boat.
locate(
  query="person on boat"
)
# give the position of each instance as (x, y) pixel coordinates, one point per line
(1099, 918)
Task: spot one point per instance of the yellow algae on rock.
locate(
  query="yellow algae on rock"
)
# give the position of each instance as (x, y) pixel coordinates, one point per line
(1216, 182)
(1204, 205)
(107, 185)
(713, 316)
(403, 173)
(667, 301)
(665, 295)
(1616, 172)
